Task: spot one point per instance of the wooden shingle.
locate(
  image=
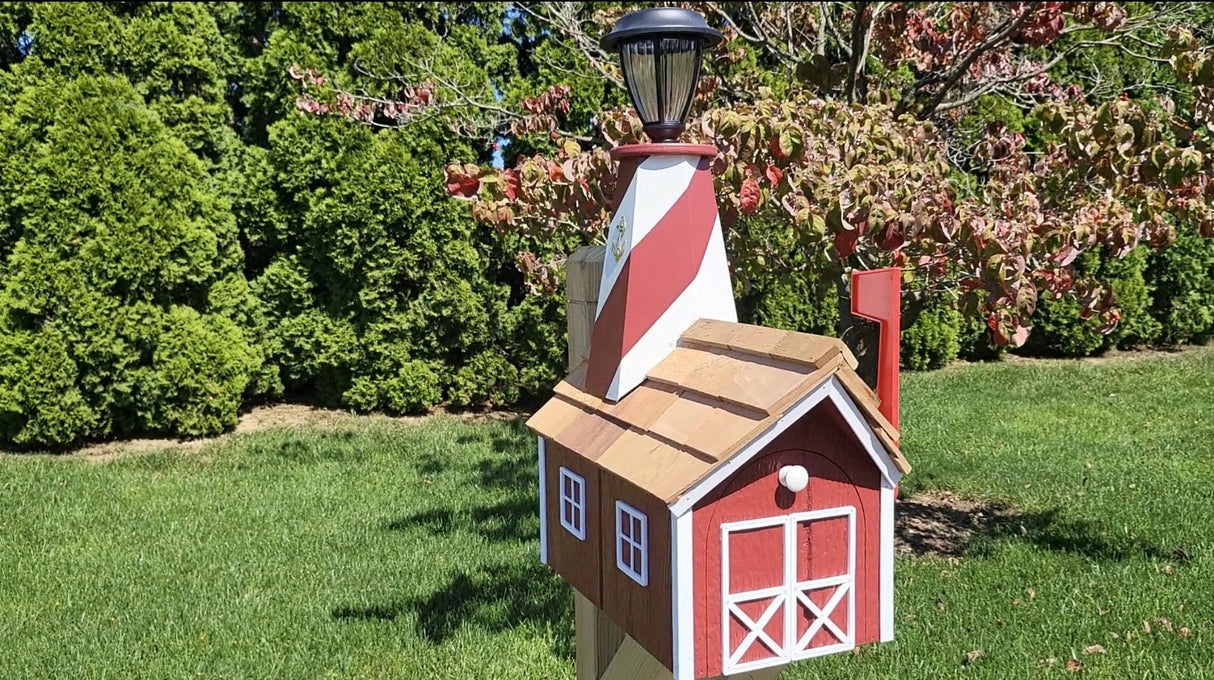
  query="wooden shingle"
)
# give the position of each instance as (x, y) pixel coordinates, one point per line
(723, 335)
(745, 380)
(807, 349)
(684, 364)
(868, 402)
(644, 405)
(637, 409)
(589, 435)
(659, 468)
(759, 384)
(895, 453)
(554, 417)
(709, 333)
(706, 426)
(808, 383)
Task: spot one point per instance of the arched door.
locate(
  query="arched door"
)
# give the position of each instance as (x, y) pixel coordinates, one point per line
(781, 569)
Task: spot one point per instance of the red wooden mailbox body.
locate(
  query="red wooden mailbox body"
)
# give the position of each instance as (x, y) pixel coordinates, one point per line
(673, 510)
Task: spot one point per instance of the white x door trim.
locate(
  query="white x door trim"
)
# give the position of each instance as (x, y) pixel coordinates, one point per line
(788, 598)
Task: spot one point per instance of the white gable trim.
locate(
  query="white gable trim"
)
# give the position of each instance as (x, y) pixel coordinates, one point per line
(837, 394)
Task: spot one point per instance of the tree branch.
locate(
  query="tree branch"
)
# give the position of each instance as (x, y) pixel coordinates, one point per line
(834, 31)
(562, 19)
(789, 56)
(954, 74)
(855, 64)
(984, 88)
(820, 48)
(498, 116)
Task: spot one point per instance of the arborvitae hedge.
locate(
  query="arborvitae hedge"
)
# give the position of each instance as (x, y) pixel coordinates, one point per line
(1182, 289)
(933, 339)
(106, 321)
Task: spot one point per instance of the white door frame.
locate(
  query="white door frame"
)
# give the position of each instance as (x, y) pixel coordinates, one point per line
(788, 597)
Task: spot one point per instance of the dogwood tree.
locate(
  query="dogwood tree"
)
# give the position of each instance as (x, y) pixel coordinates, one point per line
(836, 125)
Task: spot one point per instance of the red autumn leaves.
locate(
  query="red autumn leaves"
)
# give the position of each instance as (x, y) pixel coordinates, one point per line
(748, 196)
(865, 183)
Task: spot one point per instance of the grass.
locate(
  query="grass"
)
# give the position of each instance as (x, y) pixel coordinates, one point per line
(382, 549)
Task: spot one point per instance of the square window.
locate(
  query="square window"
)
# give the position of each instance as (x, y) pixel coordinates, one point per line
(573, 503)
(631, 530)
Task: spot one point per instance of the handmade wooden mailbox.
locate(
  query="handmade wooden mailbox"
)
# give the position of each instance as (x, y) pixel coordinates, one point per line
(722, 492)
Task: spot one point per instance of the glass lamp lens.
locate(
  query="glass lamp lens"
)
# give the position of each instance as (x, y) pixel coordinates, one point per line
(678, 70)
(661, 74)
(638, 60)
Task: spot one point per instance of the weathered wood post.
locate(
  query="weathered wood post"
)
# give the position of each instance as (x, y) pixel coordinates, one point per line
(583, 274)
(596, 637)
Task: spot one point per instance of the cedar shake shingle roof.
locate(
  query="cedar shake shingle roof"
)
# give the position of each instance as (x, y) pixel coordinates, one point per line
(718, 390)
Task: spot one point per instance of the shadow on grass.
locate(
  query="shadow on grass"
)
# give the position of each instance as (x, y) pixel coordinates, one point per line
(941, 524)
(493, 599)
(496, 597)
(514, 468)
(514, 519)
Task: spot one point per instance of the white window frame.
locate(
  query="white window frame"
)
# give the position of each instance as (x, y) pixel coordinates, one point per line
(638, 549)
(576, 523)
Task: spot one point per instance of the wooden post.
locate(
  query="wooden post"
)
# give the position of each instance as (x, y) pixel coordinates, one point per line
(583, 272)
(602, 649)
(596, 637)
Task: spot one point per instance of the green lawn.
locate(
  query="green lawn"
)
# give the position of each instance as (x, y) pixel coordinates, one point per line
(380, 549)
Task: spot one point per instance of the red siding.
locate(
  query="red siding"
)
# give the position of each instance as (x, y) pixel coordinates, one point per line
(841, 473)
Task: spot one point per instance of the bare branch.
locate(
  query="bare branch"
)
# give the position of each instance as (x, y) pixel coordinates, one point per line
(568, 30)
(822, 23)
(787, 12)
(834, 30)
(954, 74)
(878, 9)
(459, 97)
(789, 55)
(987, 87)
(716, 8)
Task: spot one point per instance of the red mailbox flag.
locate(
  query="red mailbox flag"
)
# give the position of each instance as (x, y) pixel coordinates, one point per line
(877, 295)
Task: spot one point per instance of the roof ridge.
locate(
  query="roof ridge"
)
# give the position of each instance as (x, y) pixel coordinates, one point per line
(809, 349)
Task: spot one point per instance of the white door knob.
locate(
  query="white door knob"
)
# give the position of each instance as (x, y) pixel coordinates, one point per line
(794, 478)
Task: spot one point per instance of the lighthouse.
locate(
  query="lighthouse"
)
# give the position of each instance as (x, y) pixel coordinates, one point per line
(665, 264)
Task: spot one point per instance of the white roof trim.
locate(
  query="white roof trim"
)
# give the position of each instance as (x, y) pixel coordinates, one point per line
(834, 391)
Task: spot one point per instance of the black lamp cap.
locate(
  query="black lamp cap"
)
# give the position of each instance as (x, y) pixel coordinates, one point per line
(665, 22)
